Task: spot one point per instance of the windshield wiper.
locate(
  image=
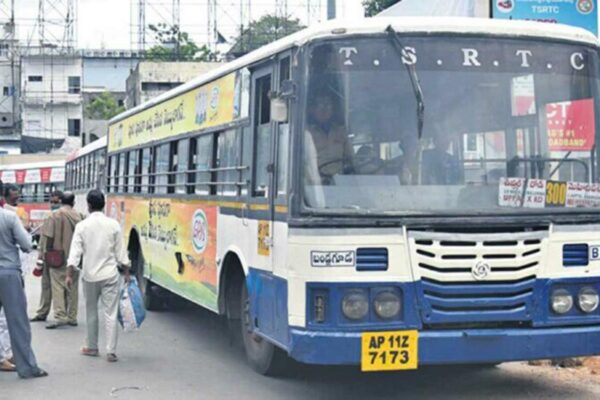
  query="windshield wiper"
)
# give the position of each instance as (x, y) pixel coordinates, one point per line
(414, 79)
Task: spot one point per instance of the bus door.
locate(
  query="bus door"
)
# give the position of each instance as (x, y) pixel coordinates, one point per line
(261, 207)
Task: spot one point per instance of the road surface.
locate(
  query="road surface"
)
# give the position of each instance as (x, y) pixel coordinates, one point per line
(185, 353)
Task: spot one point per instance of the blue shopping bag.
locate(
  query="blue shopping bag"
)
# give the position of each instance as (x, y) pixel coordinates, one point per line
(131, 307)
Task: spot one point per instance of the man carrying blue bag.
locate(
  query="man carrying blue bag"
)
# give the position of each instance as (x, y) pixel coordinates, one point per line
(98, 246)
(131, 307)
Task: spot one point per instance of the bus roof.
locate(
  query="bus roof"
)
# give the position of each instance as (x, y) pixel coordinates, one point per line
(87, 149)
(33, 165)
(340, 28)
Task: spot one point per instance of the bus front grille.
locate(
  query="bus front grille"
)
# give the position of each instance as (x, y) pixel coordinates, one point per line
(475, 278)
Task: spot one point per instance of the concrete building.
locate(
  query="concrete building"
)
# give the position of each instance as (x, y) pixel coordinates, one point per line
(104, 70)
(51, 101)
(151, 78)
(9, 91)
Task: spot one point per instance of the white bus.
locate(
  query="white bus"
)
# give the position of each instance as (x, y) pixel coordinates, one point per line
(388, 193)
(85, 171)
(36, 181)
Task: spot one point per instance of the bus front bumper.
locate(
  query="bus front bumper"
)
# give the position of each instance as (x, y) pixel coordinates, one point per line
(454, 346)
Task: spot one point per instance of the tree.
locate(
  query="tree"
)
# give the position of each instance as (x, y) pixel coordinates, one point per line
(103, 107)
(373, 7)
(264, 31)
(175, 45)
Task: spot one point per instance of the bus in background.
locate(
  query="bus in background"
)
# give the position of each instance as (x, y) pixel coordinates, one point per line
(36, 180)
(387, 193)
(84, 170)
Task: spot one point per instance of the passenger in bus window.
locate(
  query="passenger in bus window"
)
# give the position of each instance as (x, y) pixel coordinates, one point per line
(441, 166)
(334, 151)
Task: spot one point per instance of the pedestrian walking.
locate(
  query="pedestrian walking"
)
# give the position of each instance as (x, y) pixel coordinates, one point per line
(46, 295)
(57, 235)
(13, 238)
(98, 247)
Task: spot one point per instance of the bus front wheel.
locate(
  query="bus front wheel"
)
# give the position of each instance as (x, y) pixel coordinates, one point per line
(264, 357)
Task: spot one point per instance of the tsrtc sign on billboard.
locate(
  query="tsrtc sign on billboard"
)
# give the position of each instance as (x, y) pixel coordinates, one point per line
(580, 13)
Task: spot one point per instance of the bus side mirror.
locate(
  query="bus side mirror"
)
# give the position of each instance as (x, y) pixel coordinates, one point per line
(279, 109)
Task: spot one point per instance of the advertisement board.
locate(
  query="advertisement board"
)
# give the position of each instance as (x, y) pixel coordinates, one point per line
(580, 13)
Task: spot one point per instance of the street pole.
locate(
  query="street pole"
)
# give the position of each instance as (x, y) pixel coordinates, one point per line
(330, 9)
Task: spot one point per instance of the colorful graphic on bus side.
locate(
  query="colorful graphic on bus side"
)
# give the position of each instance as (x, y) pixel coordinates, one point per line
(178, 240)
(204, 107)
(580, 13)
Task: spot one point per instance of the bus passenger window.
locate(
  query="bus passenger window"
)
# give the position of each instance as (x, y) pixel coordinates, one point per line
(173, 161)
(162, 168)
(228, 159)
(203, 163)
(145, 170)
(182, 166)
(190, 176)
(132, 170)
(262, 141)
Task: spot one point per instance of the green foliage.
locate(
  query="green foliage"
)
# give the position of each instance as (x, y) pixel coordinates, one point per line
(374, 7)
(264, 31)
(175, 45)
(103, 107)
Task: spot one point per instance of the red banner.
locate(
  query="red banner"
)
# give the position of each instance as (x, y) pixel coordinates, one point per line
(45, 174)
(571, 125)
(20, 176)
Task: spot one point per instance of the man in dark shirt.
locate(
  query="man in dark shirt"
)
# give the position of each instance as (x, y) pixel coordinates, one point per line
(439, 165)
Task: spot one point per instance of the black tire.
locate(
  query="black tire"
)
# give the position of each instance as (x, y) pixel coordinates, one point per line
(264, 357)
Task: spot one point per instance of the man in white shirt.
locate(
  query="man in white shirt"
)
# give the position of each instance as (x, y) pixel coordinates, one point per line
(98, 246)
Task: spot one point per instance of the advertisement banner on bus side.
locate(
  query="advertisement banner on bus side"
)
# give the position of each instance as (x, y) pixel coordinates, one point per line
(219, 102)
(178, 239)
(580, 13)
(571, 125)
(33, 175)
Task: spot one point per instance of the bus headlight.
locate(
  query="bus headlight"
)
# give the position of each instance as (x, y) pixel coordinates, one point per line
(588, 299)
(387, 304)
(355, 304)
(562, 301)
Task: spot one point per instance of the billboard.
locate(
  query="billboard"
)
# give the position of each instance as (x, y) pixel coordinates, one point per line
(580, 13)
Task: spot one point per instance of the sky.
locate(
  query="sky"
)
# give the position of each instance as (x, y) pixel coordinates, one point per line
(107, 23)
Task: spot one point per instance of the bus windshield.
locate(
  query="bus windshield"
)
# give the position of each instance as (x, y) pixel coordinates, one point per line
(508, 126)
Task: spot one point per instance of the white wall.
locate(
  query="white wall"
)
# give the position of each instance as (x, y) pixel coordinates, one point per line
(47, 105)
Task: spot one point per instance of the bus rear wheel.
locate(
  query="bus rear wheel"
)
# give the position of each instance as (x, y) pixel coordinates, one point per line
(264, 357)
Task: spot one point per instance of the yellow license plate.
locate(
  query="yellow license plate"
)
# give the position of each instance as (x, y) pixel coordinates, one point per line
(389, 351)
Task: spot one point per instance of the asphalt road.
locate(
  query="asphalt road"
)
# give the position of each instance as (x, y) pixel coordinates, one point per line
(185, 353)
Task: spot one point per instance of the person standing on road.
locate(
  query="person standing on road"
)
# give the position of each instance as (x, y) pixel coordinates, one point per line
(12, 295)
(12, 194)
(46, 296)
(58, 234)
(6, 357)
(98, 246)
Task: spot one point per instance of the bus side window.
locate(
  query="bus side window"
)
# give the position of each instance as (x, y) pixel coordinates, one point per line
(172, 167)
(145, 170)
(116, 158)
(181, 166)
(124, 171)
(283, 132)
(132, 170)
(162, 168)
(262, 140)
(204, 163)
(228, 161)
(190, 179)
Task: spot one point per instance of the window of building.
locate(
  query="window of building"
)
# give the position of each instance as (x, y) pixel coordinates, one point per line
(75, 127)
(34, 78)
(74, 84)
(5, 91)
(202, 163)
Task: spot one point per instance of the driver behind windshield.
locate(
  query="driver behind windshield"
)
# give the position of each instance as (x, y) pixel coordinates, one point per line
(439, 165)
(328, 135)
